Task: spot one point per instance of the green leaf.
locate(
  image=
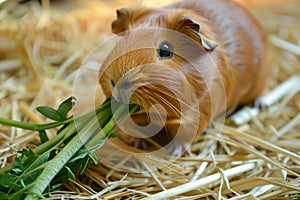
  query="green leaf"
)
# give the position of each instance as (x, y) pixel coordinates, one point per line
(15, 186)
(43, 136)
(49, 113)
(71, 175)
(82, 153)
(6, 179)
(27, 168)
(17, 170)
(22, 183)
(54, 166)
(65, 107)
(3, 195)
(52, 163)
(94, 156)
(85, 164)
(56, 186)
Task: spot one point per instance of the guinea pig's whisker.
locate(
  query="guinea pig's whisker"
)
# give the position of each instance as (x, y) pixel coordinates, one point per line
(155, 109)
(141, 101)
(184, 103)
(170, 105)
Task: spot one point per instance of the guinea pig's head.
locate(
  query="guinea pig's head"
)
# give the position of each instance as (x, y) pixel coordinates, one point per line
(152, 62)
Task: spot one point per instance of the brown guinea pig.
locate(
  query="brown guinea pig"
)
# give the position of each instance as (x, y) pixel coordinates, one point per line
(196, 59)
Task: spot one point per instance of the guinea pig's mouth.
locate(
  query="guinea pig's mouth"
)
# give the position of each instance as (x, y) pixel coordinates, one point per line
(122, 97)
(123, 91)
(148, 118)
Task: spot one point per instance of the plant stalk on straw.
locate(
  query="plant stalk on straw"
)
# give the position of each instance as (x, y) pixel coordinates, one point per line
(36, 173)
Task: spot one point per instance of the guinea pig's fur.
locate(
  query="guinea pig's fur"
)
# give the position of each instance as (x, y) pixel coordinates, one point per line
(222, 34)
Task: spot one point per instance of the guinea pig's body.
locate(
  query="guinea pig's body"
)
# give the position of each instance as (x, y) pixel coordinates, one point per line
(226, 38)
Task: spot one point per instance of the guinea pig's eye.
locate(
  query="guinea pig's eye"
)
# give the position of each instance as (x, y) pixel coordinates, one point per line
(165, 50)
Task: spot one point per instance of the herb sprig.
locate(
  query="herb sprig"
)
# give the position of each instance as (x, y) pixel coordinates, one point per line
(39, 171)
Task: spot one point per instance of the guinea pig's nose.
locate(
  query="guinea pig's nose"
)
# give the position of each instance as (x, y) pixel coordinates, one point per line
(125, 85)
(122, 91)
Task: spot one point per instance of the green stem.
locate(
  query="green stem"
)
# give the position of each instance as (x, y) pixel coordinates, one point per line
(38, 127)
(88, 132)
(53, 167)
(60, 138)
(60, 160)
(111, 125)
(18, 124)
(41, 127)
(84, 135)
(33, 127)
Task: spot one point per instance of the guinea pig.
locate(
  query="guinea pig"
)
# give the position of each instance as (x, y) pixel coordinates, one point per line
(195, 58)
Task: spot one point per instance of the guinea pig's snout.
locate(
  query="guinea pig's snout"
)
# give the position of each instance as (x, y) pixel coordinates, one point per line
(125, 85)
(122, 90)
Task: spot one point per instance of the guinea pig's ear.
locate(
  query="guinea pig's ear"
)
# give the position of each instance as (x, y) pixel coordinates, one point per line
(128, 18)
(121, 24)
(188, 25)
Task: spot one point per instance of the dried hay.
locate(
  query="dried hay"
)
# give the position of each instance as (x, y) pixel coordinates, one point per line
(41, 48)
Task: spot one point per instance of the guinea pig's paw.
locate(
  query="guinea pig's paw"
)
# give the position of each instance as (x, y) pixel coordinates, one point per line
(179, 150)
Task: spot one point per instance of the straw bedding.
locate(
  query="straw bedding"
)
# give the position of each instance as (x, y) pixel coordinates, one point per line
(41, 49)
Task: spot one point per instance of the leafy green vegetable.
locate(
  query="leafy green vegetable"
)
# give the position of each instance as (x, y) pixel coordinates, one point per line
(71, 175)
(60, 113)
(36, 173)
(65, 107)
(43, 136)
(25, 168)
(49, 113)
